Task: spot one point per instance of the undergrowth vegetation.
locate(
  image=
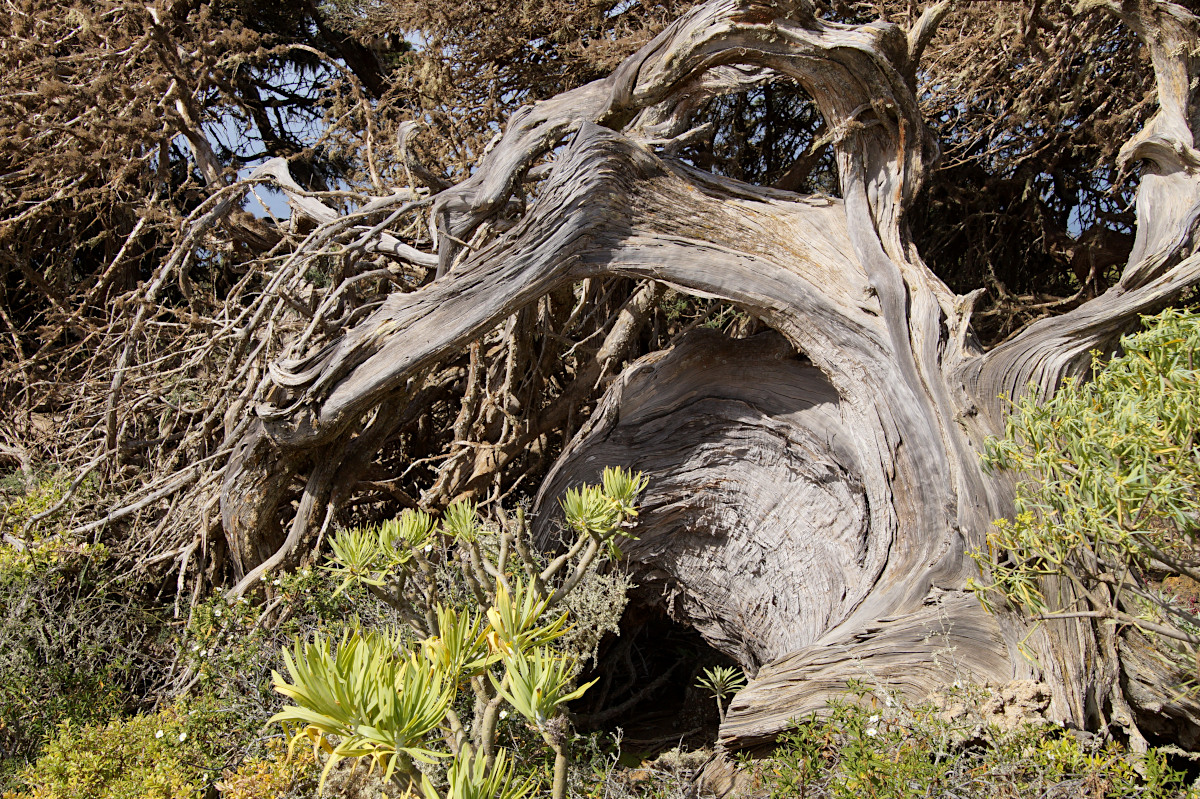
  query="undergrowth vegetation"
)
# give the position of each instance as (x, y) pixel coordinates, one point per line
(466, 625)
(871, 744)
(484, 617)
(865, 748)
(438, 656)
(164, 755)
(77, 641)
(94, 663)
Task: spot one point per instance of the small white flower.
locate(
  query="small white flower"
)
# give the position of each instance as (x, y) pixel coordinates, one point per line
(182, 737)
(275, 581)
(217, 613)
(503, 714)
(872, 732)
(263, 577)
(158, 734)
(890, 702)
(874, 719)
(429, 547)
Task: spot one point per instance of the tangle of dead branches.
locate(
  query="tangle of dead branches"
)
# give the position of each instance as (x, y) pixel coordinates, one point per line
(143, 308)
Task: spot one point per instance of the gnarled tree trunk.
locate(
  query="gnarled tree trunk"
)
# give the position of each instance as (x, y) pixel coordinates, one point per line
(813, 491)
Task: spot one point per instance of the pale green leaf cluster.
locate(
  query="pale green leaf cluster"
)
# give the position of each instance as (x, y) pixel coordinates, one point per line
(514, 619)
(470, 778)
(602, 510)
(380, 700)
(537, 683)
(722, 682)
(412, 530)
(384, 700)
(461, 645)
(390, 697)
(364, 554)
(461, 521)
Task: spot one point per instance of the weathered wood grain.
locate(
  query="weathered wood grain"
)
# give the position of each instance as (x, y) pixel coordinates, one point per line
(757, 512)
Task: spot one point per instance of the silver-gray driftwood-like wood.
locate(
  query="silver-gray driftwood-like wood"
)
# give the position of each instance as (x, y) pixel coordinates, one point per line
(813, 492)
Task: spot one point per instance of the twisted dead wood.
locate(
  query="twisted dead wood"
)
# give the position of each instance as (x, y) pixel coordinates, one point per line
(810, 517)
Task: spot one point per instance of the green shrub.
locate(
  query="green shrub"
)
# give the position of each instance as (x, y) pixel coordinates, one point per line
(232, 648)
(162, 755)
(229, 650)
(74, 643)
(864, 749)
(485, 623)
(1107, 499)
(20, 512)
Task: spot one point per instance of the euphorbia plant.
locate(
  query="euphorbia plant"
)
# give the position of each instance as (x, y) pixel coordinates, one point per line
(721, 682)
(390, 696)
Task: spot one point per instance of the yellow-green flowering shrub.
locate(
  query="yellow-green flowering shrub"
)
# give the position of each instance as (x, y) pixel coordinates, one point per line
(62, 605)
(149, 756)
(19, 515)
(73, 642)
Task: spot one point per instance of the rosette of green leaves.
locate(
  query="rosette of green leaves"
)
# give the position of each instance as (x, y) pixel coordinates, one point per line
(378, 702)
(460, 521)
(356, 556)
(588, 511)
(622, 487)
(367, 554)
(722, 682)
(538, 683)
(398, 537)
(515, 619)
(470, 778)
(600, 511)
(460, 648)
